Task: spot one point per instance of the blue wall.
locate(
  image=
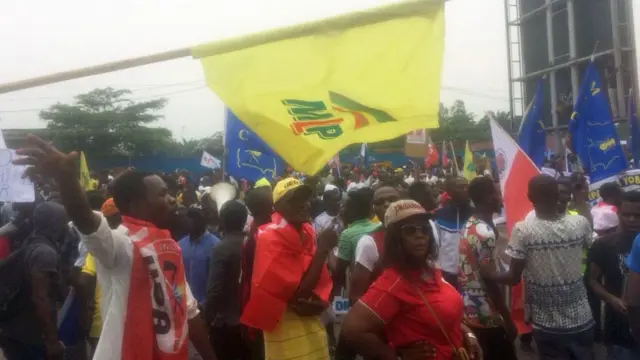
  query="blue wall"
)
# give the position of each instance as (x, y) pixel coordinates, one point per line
(152, 163)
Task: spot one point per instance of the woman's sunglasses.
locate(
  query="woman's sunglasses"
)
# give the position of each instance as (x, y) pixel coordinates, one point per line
(410, 229)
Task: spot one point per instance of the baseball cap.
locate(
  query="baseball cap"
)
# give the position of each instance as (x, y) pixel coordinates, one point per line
(262, 183)
(605, 217)
(289, 186)
(401, 210)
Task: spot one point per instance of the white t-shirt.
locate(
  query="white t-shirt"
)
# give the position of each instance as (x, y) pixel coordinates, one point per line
(113, 252)
(367, 252)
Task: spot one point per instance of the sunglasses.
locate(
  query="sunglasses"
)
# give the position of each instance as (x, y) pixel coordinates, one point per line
(410, 230)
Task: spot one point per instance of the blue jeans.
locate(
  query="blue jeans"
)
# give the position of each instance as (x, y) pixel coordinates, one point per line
(616, 352)
(573, 346)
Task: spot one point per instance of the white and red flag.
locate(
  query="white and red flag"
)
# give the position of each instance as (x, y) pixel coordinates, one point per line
(445, 158)
(515, 169)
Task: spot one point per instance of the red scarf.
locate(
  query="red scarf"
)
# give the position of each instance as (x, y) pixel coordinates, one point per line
(156, 318)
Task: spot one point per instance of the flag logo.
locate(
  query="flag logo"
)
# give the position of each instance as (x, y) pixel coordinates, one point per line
(607, 144)
(501, 162)
(326, 121)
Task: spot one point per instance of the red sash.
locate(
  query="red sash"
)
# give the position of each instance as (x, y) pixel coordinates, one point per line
(282, 256)
(156, 325)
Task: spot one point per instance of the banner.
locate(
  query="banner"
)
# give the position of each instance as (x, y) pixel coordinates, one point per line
(312, 89)
(628, 180)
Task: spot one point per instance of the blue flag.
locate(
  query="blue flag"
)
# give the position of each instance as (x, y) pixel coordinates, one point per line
(593, 136)
(247, 156)
(634, 143)
(531, 137)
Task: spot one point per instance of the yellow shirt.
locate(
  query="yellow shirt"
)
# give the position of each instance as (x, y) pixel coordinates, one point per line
(96, 324)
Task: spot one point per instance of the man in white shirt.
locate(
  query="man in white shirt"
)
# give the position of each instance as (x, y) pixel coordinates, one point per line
(147, 307)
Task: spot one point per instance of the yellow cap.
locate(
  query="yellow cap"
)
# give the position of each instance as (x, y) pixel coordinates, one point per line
(288, 185)
(262, 183)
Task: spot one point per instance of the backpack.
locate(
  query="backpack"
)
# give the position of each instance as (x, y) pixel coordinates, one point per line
(14, 288)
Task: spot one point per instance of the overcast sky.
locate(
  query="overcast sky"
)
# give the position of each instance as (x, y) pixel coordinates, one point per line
(40, 37)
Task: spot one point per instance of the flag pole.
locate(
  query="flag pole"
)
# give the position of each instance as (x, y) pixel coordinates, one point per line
(94, 70)
(455, 158)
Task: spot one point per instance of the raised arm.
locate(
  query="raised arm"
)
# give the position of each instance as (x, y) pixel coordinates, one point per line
(62, 167)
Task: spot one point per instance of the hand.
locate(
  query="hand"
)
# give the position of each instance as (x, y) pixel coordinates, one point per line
(54, 350)
(327, 239)
(472, 346)
(487, 271)
(619, 305)
(417, 351)
(308, 307)
(48, 160)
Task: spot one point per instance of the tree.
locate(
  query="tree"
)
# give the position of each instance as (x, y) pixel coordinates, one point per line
(456, 124)
(107, 122)
(503, 118)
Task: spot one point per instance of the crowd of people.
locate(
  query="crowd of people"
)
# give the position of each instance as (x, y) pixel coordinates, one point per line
(150, 267)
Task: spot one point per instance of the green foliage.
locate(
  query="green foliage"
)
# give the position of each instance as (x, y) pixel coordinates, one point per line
(106, 122)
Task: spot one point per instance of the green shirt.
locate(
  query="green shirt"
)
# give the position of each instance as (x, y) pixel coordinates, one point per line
(350, 237)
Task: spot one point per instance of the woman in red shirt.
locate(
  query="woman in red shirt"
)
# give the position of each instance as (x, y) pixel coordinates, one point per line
(410, 311)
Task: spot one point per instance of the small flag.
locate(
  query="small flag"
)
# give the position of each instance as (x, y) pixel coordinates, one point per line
(334, 165)
(469, 167)
(364, 155)
(209, 161)
(307, 93)
(85, 177)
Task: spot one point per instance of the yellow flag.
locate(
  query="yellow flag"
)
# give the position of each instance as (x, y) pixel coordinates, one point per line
(469, 168)
(85, 177)
(310, 90)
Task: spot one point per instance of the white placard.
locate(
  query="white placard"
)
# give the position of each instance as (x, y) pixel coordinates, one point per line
(417, 137)
(209, 161)
(340, 305)
(13, 188)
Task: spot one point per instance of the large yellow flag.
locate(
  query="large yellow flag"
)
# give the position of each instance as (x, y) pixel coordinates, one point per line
(312, 89)
(85, 177)
(469, 167)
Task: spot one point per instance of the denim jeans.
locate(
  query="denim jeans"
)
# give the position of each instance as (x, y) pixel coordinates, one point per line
(573, 346)
(616, 352)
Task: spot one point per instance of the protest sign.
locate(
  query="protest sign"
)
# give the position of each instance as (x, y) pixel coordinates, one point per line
(13, 187)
